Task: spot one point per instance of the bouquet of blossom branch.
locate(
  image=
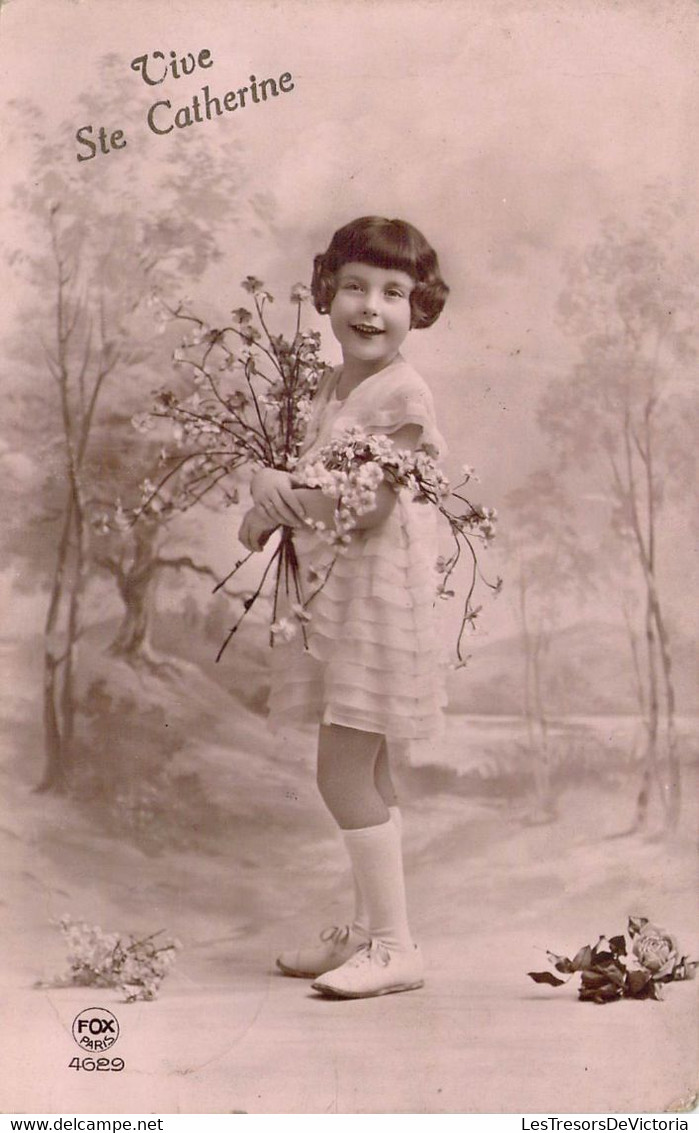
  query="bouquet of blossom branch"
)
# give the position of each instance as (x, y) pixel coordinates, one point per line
(610, 970)
(246, 402)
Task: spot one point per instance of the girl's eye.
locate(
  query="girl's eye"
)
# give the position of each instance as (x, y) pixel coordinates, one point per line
(394, 293)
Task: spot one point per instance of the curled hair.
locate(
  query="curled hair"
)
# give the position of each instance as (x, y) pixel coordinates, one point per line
(384, 244)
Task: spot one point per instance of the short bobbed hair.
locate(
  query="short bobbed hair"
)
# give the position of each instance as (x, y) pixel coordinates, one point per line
(384, 244)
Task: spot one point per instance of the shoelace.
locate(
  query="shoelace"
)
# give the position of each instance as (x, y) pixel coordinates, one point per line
(373, 950)
(336, 935)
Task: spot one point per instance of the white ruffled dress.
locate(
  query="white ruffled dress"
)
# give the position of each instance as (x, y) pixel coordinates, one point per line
(372, 659)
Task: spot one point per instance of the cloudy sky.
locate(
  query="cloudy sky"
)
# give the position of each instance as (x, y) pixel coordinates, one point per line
(505, 129)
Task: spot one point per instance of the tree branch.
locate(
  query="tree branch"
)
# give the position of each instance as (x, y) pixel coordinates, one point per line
(185, 562)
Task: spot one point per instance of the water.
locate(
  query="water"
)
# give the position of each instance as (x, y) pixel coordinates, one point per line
(489, 743)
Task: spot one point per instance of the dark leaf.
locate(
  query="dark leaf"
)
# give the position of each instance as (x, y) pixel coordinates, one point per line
(637, 983)
(604, 994)
(636, 924)
(618, 945)
(560, 963)
(593, 979)
(686, 969)
(614, 972)
(546, 978)
(582, 959)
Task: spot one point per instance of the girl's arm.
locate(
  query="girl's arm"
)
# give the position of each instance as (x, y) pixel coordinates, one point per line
(255, 530)
(319, 507)
(275, 497)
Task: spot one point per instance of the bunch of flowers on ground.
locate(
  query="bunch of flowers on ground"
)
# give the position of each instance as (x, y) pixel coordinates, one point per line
(134, 965)
(245, 401)
(617, 968)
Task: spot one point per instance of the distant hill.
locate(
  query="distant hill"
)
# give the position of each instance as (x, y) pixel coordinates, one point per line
(589, 671)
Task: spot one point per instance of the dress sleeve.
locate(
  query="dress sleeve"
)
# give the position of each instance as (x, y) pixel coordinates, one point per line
(404, 398)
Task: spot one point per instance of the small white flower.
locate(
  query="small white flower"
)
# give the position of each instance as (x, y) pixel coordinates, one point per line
(300, 293)
(284, 629)
(468, 473)
(200, 334)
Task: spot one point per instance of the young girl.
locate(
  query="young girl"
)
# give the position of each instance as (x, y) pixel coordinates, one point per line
(370, 673)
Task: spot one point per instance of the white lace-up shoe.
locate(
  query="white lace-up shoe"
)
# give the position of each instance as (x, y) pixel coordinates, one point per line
(337, 945)
(374, 969)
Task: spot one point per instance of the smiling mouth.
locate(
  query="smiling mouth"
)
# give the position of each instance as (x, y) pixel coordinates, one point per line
(366, 329)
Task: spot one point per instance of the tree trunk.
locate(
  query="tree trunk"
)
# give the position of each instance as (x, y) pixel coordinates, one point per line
(137, 584)
(68, 705)
(650, 770)
(526, 640)
(54, 776)
(674, 778)
(534, 713)
(133, 636)
(543, 763)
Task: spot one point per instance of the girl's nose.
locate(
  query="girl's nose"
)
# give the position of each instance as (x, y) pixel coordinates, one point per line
(370, 303)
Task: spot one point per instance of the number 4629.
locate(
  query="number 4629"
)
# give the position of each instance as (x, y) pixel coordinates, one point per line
(96, 1063)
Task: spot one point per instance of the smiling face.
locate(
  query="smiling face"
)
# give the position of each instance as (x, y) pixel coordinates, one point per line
(370, 316)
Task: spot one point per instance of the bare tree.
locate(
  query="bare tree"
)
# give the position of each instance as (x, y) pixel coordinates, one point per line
(137, 565)
(96, 246)
(622, 415)
(552, 564)
(80, 359)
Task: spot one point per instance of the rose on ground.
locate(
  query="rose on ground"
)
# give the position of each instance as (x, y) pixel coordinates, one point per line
(605, 975)
(656, 950)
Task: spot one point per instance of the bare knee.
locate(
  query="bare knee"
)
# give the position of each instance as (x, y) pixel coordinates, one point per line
(345, 776)
(382, 777)
(338, 776)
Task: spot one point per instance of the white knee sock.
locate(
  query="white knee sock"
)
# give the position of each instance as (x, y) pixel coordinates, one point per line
(360, 920)
(377, 860)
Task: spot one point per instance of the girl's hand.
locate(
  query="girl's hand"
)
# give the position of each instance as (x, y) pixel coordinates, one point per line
(275, 497)
(255, 530)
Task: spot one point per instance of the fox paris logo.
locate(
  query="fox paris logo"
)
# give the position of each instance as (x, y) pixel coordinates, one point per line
(95, 1029)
